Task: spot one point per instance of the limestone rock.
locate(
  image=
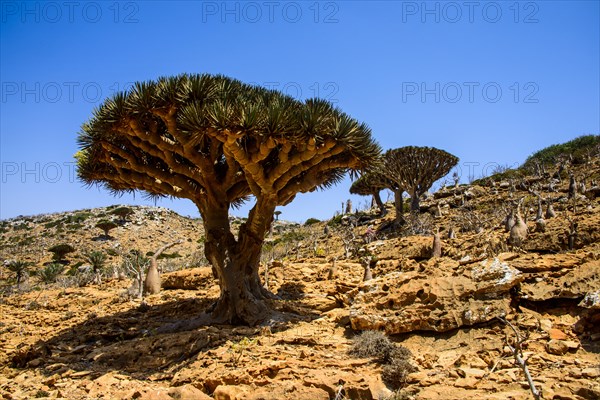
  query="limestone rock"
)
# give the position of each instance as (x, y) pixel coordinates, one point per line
(573, 283)
(189, 279)
(557, 347)
(433, 301)
(187, 392)
(591, 300)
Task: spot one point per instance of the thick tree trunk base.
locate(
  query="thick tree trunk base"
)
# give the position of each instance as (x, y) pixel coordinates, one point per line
(244, 303)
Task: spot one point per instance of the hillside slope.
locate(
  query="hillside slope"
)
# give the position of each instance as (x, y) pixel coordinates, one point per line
(454, 313)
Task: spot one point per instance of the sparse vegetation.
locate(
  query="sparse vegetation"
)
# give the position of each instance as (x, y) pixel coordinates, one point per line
(376, 345)
(395, 373)
(311, 221)
(51, 272)
(19, 269)
(106, 227)
(578, 149)
(60, 251)
(373, 344)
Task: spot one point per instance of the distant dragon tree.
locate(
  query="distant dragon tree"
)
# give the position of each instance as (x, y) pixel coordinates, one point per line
(219, 142)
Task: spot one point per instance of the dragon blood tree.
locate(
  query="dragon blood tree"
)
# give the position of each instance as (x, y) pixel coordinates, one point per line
(370, 184)
(416, 169)
(219, 142)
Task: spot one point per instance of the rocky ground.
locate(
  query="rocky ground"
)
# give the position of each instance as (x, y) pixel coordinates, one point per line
(459, 314)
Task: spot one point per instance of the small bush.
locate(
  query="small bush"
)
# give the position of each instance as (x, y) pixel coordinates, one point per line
(395, 358)
(311, 221)
(373, 344)
(50, 272)
(394, 374)
(335, 220)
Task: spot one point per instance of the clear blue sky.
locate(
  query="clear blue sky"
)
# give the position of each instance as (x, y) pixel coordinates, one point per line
(490, 82)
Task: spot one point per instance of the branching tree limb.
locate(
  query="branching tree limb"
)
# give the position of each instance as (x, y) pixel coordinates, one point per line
(518, 355)
(218, 142)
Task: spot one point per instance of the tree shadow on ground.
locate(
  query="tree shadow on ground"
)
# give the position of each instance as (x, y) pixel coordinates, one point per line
(102, 238)
(146, 340)
(291, 290)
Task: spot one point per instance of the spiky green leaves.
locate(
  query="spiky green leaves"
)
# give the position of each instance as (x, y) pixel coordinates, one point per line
(198, 136)
(417, 168)
(370, 183)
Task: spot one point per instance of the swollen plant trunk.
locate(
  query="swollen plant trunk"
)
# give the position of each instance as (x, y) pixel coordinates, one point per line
(540, 213)
(550, 213)
(368, 274)
(235, 264)
(152, 282)
(572, 187)
(540, 225)
(509, 222)
(518, 233)
(332, 273)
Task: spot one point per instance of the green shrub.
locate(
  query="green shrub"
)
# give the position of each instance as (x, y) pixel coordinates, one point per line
(50, 272)
(19, 269)
(97, 259)
(77, 218)
(60, 250)
(311, 221)
(22, 226)
(578, 148)
(26, 241)
(53, 224)
(335, 220)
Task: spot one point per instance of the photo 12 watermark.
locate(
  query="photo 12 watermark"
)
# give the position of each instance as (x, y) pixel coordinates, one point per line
(252, 12)
(452, 12)
(470, 92)
(52, 12)
(94, 92)
(469, 171)
(322, 90)
(37, 172)
(56, 92)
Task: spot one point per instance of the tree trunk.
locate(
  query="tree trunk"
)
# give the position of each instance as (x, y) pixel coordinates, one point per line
(235, 264)
(415, 202)
(377, 199)
(399, 204)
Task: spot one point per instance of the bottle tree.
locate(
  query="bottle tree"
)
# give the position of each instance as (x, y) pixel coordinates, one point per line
(219, 142)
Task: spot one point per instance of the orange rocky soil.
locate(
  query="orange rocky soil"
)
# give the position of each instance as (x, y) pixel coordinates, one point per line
(454, 313)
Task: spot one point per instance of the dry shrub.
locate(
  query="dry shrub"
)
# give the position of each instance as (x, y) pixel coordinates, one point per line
(374, 344)
(394, 374)
(417, 224)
